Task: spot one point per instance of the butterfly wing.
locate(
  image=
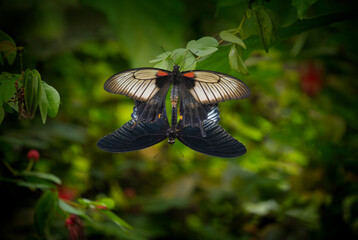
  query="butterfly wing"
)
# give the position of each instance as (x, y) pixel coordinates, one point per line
(148, 86)
(217, 142)
(141, 84)
(191, 112)
(208, 87)
(132, 136)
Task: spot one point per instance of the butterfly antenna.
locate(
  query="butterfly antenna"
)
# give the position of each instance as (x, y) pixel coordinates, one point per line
(193, 61)
(157, 154)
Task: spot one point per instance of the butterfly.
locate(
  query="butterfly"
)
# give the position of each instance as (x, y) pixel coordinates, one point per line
(134, 136)
(197, 91)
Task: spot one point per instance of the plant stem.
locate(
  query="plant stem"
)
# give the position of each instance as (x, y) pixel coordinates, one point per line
(241, 24)
(7, 165)
(29, 166)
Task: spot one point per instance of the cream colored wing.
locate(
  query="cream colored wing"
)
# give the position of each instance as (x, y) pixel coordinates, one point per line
(140, 84)
(212, 87)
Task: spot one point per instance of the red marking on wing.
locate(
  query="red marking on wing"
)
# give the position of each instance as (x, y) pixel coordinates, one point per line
(189, 75)
(162, 73)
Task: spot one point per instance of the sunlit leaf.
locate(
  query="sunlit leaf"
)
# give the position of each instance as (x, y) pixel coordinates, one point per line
(230, 37)
(165, 64)
(161, 57)
(53, 98)
(108, 202)
(72, 210)
(203, 47)
(302, 6)
(44, 211)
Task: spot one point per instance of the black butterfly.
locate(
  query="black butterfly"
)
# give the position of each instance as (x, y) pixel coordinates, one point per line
(134, 136)
(198, 92)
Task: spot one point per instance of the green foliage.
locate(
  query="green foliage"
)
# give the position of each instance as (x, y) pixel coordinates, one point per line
(298, 178)
(25, 92)
(8, 48)
(229, 36)
(44, 211)
(49, 101)
(302, 6)
(264, 27)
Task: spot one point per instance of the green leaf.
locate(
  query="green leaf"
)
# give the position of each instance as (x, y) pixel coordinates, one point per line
(230, 37)
(44, 211)
(178, 55)
(2, 114)
(203, 47)
(165, 64)
(13, 106)
(37, 88)
(161, 57)
(302, 6)
(53, 98)
(7, 86)
(6, 42)
(236, 62)
(117, 220)
(44, 104)
(72, 210)
(189, 62)
(29, 89)
(108, 202)
(41, 175)
(36, 184)
(264, 27)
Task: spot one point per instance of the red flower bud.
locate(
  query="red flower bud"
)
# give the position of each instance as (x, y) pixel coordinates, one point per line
(75, 228)
(33, 155)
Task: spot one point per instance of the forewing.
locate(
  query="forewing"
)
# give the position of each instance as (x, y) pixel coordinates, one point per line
(217, 142)
(209, 87)
(141, 84)
(132, 136)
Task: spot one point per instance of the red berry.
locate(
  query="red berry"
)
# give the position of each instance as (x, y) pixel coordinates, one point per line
(33, 155)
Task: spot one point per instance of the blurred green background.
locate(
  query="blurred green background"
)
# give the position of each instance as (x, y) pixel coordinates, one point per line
(298, 179)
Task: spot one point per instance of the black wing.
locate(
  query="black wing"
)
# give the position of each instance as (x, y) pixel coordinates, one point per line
(132, 136)
(217, 142)
(192, 113)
